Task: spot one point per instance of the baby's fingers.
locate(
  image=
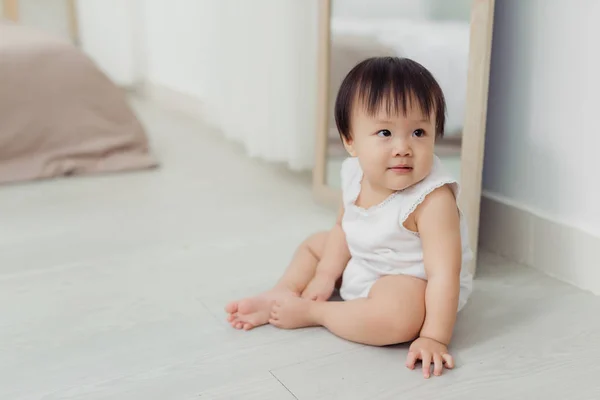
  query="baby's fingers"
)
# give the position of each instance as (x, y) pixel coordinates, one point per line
(448, 360)
(411, 359)
(438, 363)
(426, 357)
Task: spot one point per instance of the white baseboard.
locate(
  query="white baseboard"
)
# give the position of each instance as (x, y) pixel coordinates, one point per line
(555, 248)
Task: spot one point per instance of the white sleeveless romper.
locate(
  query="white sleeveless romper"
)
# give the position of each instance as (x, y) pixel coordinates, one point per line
(379, 243)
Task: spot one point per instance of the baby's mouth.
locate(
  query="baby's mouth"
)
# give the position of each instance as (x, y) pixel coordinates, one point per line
(401, 168)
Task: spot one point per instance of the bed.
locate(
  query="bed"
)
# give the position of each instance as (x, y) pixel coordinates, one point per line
(59, 114)
(441, 46)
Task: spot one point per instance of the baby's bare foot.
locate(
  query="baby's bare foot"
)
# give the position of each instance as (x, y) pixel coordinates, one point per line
(248, 313)
(254, 311)
(293, 312)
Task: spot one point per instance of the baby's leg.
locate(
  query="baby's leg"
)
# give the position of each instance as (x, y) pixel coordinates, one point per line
(393, 313)
(254, 311)
(304, 264)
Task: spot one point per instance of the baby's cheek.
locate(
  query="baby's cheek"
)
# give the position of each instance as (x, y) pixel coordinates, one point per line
(371, 155)
(425, 167)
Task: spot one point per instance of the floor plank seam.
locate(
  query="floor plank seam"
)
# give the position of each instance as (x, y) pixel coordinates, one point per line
(282, 384)
(215, 317)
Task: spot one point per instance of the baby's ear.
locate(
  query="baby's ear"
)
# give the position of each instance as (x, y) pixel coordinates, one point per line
(349, 145)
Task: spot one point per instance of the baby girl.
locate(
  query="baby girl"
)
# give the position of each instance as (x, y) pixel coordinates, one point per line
(398, 251)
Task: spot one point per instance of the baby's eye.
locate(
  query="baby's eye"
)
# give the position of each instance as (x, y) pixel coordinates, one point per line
(384, 133)
(419, 133)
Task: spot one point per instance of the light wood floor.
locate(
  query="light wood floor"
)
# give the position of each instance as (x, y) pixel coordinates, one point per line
(113, 288)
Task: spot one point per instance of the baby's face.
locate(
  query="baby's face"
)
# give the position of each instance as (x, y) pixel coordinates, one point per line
(394, 151)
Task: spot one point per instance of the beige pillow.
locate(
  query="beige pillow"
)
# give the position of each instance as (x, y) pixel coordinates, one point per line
(59, 115)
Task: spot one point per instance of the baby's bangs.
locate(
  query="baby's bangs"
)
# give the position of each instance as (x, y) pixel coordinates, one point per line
(391, 84)
(385, 86)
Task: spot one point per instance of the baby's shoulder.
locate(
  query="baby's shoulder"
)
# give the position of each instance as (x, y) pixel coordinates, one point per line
(436, 203)
(442, 196)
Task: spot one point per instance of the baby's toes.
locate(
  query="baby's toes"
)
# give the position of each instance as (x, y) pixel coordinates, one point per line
(255, 319)
(274, 317)
(233, 320)
(232, 307)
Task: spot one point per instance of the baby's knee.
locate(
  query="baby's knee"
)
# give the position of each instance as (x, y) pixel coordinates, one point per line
(405, 331)
(315, 243)
(398, 326)
(317, 239)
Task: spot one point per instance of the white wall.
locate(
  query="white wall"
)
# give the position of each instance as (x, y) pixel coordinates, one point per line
(181, 43)
(48, 15)
(110, 34)
(169, 43)
(543, 137)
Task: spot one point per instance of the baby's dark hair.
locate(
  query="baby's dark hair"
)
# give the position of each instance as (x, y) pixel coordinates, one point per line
(392, 82)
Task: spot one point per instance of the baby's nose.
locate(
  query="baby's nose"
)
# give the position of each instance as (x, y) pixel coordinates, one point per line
(401, 148)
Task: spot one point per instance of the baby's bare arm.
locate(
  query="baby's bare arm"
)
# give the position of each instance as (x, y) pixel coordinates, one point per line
(331, 265)
(438, 223)
(335, 254)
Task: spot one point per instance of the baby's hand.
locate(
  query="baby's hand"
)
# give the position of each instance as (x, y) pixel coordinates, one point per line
(429, 350)
(320, 288)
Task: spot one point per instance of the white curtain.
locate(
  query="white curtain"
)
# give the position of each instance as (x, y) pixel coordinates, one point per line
(263, 82)
(250, 63)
